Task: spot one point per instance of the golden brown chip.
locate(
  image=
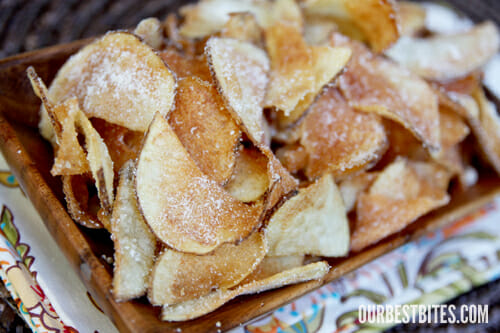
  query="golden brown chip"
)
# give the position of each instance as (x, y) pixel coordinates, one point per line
(150, 31)
(411, 17)
(338, 138)
(445, 57)
(312, 222)
(402, 192)
(185, 208)
(453, 128)
(243, 27)
(318, 30)
(116, 78)
(179, 277)
(293, 157)
(133, 241)
(291, 63)
(203, 305)
(374, 84)
(123, 144)
(82, 204)
(463, 85)
(377, 20)
(274, 265)
(185, 65)
(241, 72)
(250, 180)
(486, 128)
(205, 128)
(351, 187)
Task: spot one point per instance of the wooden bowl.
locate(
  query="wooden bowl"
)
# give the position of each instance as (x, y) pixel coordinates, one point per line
(31, 158)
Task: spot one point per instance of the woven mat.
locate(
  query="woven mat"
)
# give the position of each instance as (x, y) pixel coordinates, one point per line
(30, 24)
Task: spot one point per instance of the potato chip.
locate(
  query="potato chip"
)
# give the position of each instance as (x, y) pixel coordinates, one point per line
(117, 78)
(402, 192)
(453, 128)
(82, 204)
(291, 68)
(69, 157)
(243, 27)
(250, 179)
(318, 30)
(374, 84)
(123, 144)
(351, 187)
(312, 222)
(134, 242)
(178, 277)
(150, 31)
(198, 307)
(294, 157)
(185, 208)
(327, 63)
(241, 72)
(486, 128)
(205, 128)
(446, 57)
(185, 65)
(377, 20)
(274, 265)
(411, 18)
(463, 85)
(334, 144)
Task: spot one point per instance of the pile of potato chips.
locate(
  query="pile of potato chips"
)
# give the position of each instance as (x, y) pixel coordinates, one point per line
(228, 149)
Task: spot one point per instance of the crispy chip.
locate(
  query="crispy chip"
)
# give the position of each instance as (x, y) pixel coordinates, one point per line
(291, 68)
(179, 277)
(463, 85)
(117, 78)
(351, 187)
(402, 192)
(203, 305)
(205, 128)
(334, 144)
(185, 208)
(486, 128)
(241, 72)
(318, 30)
(185, 65)
(133, 240)
(69, 158)
(83, 206)
(293, 157)
(150, 31)
(274, 265)
(312, 222)
(375, 19)
(447, 57)
(243, 27)
(411, 17)
(453, 128)
(374, 84)
(250, 179)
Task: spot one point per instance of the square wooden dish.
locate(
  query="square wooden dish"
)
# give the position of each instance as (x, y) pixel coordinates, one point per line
(30, 158)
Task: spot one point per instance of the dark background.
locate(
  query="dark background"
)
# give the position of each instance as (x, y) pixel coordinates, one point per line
(30, 24)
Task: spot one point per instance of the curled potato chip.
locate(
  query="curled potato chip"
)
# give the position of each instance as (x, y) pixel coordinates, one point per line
(334, 144)
(205, 128)
(185, 65)
(351, 187)
(116, 78)
(82, 204)
(374, 84)
(376, 20)
(411, 18)
(241, 72)
(293, 157)
(486, 128)
(151, 32)
(463, 85)
(402, 192)
(274, 265)
(185, 208)
(453, 128)
(250, 179)
(450, 56)
(205, 304)
(133, 240)
(69, 157)
(178, 277)
(312, 222)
